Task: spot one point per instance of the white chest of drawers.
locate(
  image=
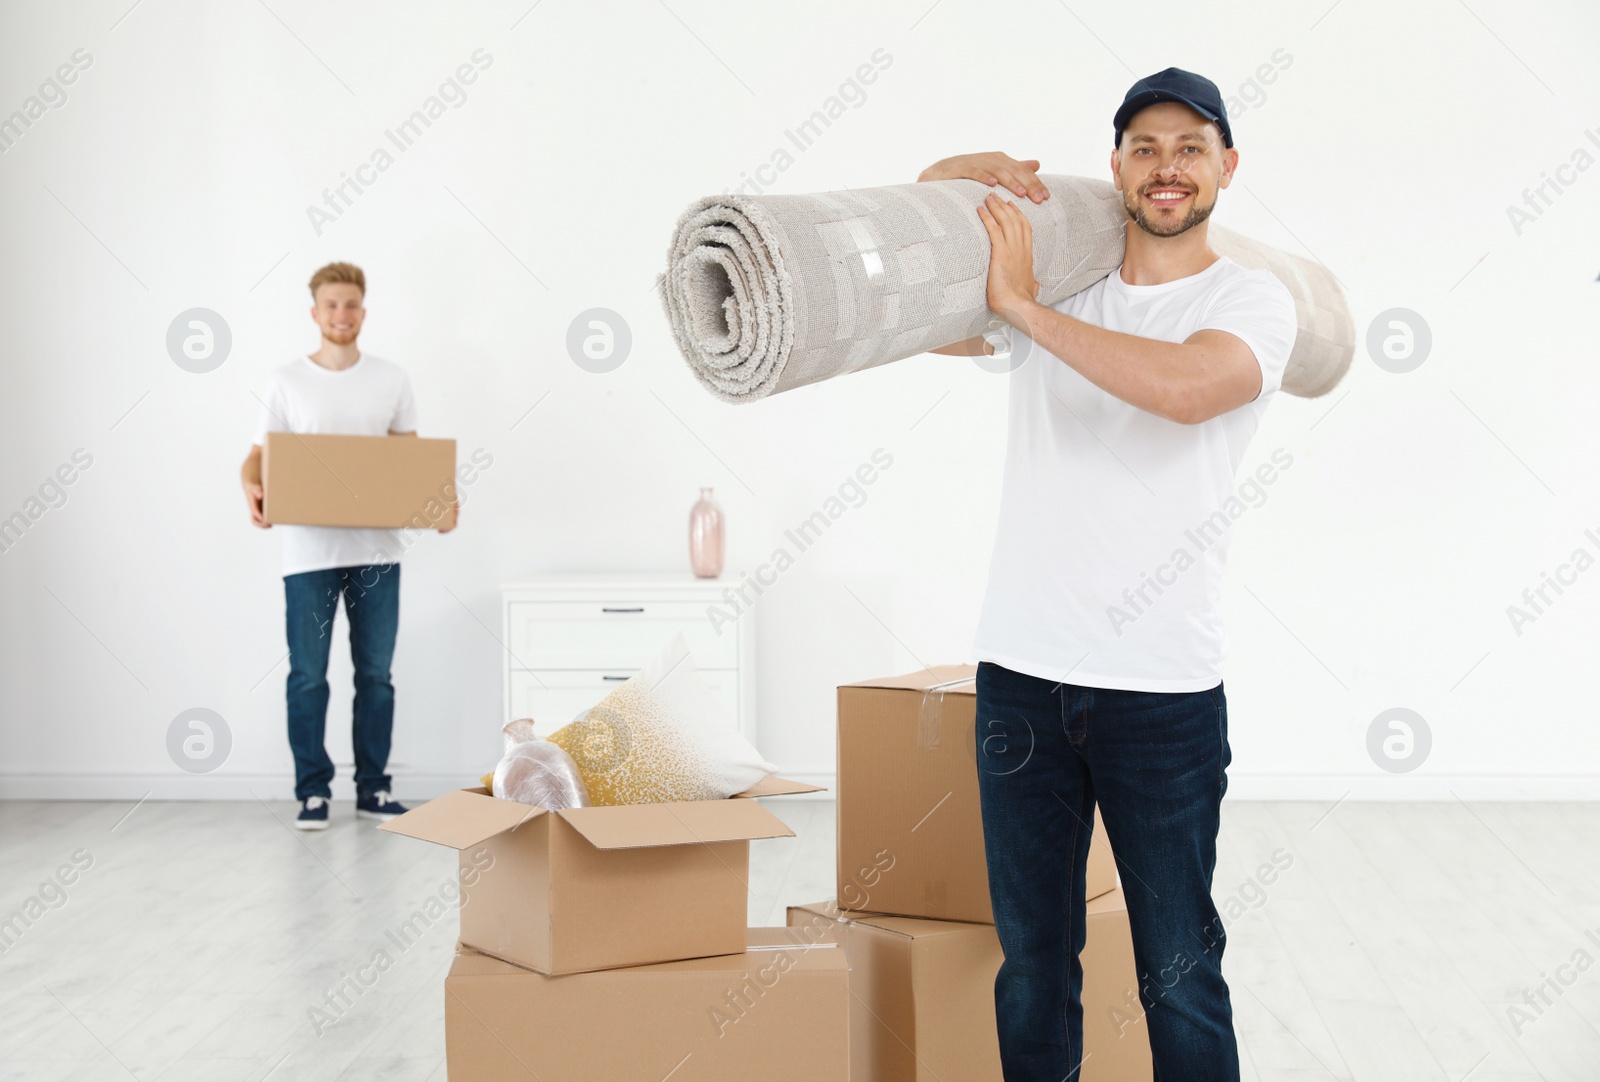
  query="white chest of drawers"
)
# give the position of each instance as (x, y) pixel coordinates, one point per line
(570, 639)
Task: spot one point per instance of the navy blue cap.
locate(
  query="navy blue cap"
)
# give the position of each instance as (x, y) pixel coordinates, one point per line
(1174, 84)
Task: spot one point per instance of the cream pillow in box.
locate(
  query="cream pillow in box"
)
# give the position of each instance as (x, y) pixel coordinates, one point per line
(657, 738)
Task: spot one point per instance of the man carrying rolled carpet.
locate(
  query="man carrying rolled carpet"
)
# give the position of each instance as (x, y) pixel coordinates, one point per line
(1100, 645)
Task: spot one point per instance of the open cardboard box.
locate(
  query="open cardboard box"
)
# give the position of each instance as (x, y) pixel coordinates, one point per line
(909, 824)
(776, 1010)
(375, 481)
(584, 889)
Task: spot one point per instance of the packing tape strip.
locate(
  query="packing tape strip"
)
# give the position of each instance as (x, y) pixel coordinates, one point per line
(930, 719)
(867, 249)
(788, 946)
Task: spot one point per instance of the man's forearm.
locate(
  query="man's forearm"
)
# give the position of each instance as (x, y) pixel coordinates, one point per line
(1154, 376)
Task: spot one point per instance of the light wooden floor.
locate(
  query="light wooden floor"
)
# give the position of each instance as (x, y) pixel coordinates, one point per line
(196, 942)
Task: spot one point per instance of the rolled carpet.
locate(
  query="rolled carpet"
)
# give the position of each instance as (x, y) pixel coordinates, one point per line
(767, 293)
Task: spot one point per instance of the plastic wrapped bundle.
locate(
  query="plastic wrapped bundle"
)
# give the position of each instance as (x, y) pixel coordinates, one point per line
(537, 772)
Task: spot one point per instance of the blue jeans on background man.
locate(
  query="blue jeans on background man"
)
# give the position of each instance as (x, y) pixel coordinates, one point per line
(372, 603)
(1156, 763)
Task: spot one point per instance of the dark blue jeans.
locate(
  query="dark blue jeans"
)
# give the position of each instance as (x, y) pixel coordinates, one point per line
(1156, 763)
(372, 603)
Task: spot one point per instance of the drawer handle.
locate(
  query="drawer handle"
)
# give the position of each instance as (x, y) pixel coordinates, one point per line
(605, 609)
(609, 677)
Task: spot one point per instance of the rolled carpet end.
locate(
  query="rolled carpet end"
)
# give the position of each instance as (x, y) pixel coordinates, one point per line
(729, 297)
(1326, 341)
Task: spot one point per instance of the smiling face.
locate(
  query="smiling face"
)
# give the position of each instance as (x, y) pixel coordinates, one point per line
(339, 311)
(1170, 167)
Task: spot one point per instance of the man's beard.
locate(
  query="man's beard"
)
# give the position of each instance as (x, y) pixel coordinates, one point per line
(1196, 215)
(340, 338)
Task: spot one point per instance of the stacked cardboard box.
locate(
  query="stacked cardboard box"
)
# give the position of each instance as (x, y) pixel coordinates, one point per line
(611, 942)
(913, 910)
(778, 1009)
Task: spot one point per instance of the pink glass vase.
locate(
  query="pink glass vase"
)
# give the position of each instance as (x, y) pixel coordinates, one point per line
(705, 536)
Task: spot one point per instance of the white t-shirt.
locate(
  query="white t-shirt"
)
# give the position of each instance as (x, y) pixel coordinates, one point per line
(370, 398)
(1113, 531)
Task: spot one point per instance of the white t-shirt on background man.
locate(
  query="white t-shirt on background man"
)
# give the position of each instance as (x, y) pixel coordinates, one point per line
(1108, 561)
(370, 398)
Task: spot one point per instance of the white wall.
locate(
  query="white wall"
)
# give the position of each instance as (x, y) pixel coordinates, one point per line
(177, 175)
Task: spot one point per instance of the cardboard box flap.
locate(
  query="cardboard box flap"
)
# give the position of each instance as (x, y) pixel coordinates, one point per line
(631, 826)
(1109, 902)
(828, 910)
(772, 785)
(470, 963)
(462, 818)
(956, 679)
(919, 927)
(908, 927)
(780, 937)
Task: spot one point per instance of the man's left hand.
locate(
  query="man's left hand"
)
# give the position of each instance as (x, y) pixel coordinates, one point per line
(1011, 283)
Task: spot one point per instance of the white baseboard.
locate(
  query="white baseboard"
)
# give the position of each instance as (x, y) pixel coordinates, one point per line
(219, 786)
(1422, 786)
(415, 788)
(408, 787)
